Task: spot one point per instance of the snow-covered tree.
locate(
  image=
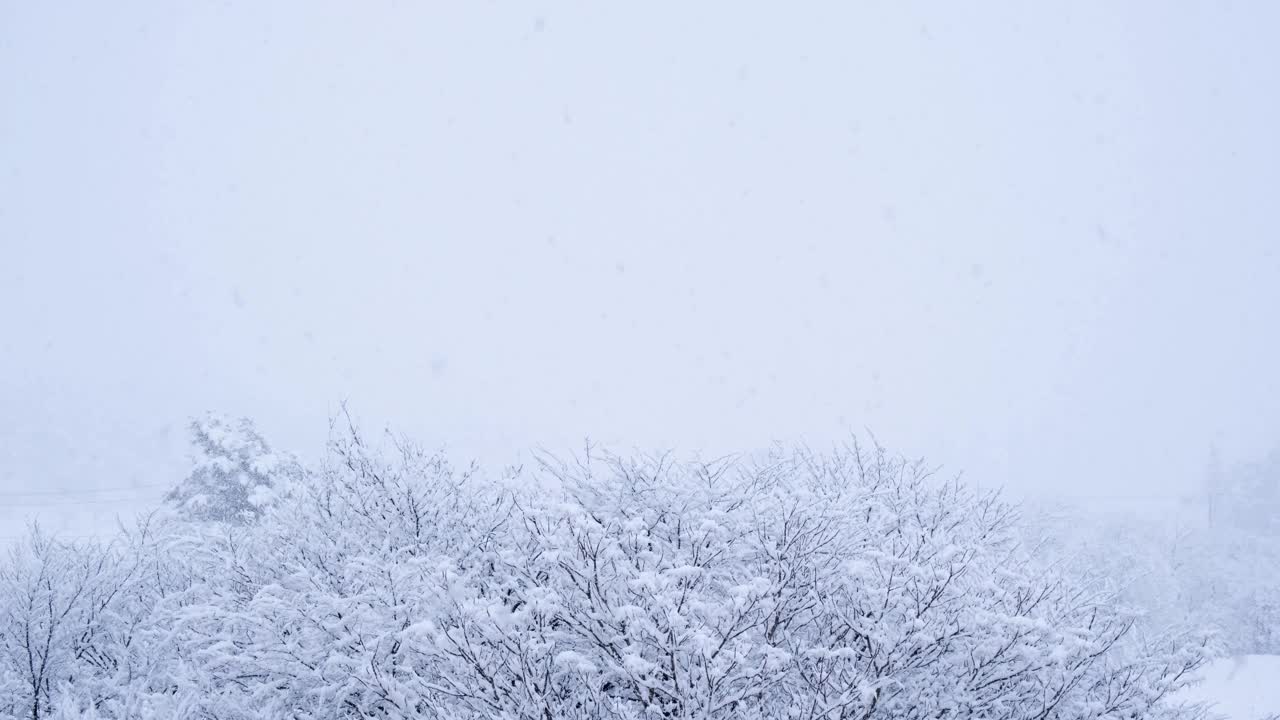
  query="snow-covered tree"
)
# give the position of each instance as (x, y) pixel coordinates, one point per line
(1208, 563)
(390, 584)
(235, 473)
(69, 616)
(1236, 582)
(810, 587)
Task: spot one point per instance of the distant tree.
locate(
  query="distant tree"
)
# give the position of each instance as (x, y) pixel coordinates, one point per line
(1210, 563)
(236, 475)
(1237, 579)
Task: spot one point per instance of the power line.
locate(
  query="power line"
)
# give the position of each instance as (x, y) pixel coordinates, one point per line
(56, 535)
(71, 503)
(84, 491)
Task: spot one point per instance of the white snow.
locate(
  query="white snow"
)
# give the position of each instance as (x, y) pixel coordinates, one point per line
(1245, 687)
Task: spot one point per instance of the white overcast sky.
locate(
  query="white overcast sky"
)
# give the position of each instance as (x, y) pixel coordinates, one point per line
(1036, 242)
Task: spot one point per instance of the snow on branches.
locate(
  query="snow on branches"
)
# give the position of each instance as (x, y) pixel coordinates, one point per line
(388, 584)
(235, 474)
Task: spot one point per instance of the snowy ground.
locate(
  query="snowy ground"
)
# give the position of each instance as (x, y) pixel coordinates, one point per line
(1242, 688)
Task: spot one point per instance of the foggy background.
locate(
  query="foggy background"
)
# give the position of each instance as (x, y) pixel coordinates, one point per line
(1032, 243)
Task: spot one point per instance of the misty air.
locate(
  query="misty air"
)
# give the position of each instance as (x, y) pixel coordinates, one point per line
(666, 361)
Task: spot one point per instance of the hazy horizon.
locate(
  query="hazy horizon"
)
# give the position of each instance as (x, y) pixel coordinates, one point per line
(1035, 245)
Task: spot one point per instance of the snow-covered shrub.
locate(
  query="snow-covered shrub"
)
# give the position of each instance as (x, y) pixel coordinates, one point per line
(387, 584)
(850, 585)
(69, 618)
